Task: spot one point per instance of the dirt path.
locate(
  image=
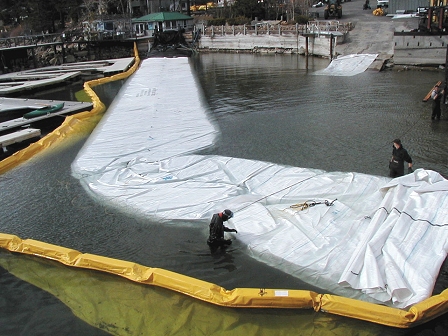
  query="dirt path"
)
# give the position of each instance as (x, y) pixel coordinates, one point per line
(371, 34)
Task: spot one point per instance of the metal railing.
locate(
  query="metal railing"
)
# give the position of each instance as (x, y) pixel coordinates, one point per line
(66, 37)
(313, 27)
(27, 40)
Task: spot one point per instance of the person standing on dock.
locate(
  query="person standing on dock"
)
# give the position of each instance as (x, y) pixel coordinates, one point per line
(436, 96)
(399, 156)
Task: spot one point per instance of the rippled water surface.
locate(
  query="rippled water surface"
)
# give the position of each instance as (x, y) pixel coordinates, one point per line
(269, 108)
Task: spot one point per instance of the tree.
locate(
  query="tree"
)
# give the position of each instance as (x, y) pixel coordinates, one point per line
(249, 8)
(14, 12)
(39, 15)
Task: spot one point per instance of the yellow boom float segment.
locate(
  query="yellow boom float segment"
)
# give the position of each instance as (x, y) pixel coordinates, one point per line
(239, 297)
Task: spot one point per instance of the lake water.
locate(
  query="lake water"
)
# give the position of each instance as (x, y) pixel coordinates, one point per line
(270, 108)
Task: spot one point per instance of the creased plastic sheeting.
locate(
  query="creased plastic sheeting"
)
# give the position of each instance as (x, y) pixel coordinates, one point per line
(349, 65)
(371, 244)
(238, 297)
(406, 235)
(163, 115)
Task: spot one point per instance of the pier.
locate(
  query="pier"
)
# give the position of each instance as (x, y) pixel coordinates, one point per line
(15, 129)
(16, 82)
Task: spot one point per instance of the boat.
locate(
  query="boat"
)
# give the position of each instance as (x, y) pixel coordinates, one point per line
(44, 111)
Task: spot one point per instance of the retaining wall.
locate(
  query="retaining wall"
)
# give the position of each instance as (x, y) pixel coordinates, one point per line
(318, 45)
(420, 49)
(315, 38)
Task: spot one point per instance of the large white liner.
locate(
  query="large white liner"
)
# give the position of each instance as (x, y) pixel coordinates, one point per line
(348, 65)
(381, 240)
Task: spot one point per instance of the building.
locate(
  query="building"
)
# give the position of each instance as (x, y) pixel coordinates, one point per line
(406, 5)
(162, 21)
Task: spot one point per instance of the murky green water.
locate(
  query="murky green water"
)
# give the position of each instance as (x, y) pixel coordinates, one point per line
(269, 108)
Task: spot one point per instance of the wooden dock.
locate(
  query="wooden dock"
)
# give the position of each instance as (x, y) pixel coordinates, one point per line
(18, 136)
(38, 78)
(11, 104)
(16, 129)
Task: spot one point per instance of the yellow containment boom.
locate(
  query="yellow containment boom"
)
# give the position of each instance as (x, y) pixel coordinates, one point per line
(239, 297)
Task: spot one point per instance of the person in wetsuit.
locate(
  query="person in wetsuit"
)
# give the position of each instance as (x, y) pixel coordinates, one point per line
(217, 229)
(399, 156)
(436, 95)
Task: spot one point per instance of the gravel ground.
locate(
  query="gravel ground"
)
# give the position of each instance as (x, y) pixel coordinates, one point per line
(371, 34)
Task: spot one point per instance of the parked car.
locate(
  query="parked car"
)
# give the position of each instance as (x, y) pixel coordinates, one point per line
(382, 3)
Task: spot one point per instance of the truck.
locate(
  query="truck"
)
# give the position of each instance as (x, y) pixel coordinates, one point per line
(333, 8)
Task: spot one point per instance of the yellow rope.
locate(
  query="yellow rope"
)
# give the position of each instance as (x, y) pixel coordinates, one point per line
(301, 206)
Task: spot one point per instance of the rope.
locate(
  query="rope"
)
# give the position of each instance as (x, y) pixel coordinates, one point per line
(414, 219)
(275, 192)
(309, 204)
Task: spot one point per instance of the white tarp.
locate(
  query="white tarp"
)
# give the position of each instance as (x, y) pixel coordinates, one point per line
(382, 240)
(349, 65)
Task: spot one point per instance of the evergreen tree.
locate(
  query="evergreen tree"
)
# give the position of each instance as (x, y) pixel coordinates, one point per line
(248, 8)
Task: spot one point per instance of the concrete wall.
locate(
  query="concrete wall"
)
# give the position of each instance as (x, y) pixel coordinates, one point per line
(318, 45)
(420, 50)
(405, 24)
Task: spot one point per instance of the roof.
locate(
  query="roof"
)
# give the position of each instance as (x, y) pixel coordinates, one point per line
(163, 16)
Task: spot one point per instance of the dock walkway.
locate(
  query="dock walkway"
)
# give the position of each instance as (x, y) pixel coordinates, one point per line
(37, 78)
(11, 104)
(19, 136)
(17, 130)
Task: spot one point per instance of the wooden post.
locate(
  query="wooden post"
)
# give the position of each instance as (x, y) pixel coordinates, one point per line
(445, 87)
(62, 47)
(331, 46)
(34, 57)
(306, 46)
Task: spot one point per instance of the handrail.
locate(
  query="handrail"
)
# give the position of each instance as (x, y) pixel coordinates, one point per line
(316, 27)
(65, 37)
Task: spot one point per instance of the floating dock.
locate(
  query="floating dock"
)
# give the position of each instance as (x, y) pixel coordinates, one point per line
(19, 136)
(38, 78)
(17, 129)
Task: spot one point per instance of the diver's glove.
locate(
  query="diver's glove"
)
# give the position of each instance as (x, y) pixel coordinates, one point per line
(233, 230)
(410, 170)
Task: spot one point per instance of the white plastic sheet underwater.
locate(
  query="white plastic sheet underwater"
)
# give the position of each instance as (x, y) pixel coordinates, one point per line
(381, 240)
(348, 65)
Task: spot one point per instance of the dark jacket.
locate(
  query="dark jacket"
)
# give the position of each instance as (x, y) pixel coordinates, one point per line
(396, 165)
(217, 229)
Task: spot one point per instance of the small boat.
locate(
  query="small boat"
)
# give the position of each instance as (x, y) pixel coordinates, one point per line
(44, 111)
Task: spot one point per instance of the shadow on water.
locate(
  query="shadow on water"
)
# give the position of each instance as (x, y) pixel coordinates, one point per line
(268, 108)
(28, 310)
